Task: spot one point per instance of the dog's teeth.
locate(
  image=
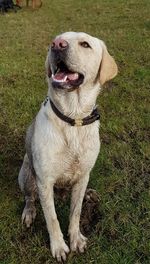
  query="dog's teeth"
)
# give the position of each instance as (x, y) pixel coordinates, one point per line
(60, 81)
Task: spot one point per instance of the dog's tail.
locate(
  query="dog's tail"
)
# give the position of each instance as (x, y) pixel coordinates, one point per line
(39, 4)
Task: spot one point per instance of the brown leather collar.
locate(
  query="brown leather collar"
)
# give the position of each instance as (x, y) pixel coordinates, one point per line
(76, 122)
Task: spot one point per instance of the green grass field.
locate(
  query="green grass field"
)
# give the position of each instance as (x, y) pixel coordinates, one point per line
(121, 174)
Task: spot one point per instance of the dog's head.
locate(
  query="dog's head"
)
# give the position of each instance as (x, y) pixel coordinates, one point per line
(75, 59)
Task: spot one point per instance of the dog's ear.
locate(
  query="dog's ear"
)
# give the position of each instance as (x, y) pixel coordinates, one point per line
(47, 66)
(108, 67)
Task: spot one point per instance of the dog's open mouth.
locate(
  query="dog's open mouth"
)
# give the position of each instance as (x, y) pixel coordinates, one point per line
(65, 78)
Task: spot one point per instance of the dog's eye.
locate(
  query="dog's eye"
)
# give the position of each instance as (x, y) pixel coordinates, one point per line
(85, 44)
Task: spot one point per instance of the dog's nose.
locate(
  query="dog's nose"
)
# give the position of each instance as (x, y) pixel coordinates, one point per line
(59, 44)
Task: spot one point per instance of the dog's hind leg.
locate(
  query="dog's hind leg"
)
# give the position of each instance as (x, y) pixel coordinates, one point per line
(28, 186)
(33, 4)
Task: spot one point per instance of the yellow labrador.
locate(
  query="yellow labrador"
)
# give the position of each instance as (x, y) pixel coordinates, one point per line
(62, 143)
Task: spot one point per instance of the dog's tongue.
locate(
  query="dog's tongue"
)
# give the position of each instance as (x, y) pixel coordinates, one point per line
(63, 76)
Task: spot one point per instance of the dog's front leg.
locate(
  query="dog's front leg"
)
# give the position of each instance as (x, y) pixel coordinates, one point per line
(77, 240)
(59, 248)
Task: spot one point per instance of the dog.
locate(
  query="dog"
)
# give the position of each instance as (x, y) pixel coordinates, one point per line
(34, 3)
(5, 5)
(62, 143)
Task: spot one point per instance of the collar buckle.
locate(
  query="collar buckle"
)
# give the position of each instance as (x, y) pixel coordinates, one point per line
(78, 122)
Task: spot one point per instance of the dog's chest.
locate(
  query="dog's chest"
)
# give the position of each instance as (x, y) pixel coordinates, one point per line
(65, 155)
(72, 158)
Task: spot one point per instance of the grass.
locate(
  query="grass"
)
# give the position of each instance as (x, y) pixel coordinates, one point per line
(121, 174)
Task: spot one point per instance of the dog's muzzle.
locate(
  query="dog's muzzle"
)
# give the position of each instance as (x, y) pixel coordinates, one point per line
(63, 76)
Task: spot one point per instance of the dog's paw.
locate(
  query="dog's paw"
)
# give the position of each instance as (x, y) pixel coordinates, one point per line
(91, 196)
(78, 242)
(28, 215)
(59, 250)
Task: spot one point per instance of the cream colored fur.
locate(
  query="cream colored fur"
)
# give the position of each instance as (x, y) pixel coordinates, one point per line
(59, 154)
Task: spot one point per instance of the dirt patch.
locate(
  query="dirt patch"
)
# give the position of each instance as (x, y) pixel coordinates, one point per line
(90, 214)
